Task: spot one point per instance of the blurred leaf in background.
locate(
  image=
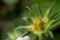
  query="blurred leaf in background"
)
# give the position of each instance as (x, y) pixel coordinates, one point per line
(10, 1)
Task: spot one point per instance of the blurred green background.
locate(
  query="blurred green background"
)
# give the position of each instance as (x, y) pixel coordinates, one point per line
(12, 12)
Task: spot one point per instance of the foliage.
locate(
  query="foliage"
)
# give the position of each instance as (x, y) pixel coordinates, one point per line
(33, 26)
(40, 25)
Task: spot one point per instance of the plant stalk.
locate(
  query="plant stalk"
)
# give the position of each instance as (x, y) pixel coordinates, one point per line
(40, 37)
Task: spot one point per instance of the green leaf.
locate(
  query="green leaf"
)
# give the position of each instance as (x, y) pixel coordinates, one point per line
(54, 25)
(49, 24)
(40, 10)
(54, 16)
(49, 10)
(29, 28)
(21, 27)
(27, 19)
(36, 1)
(27, 33)
(50, 34)
(33, 16)
(36, 10)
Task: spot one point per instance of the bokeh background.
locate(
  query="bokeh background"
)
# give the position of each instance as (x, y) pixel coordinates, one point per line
(12, 12)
